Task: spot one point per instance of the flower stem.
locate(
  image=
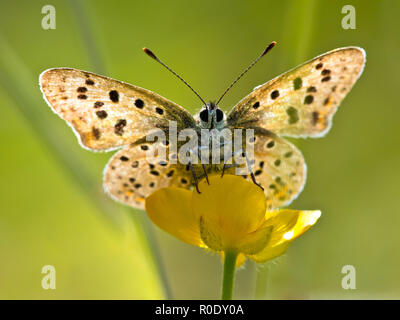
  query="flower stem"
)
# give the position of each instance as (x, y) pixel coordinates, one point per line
(261, 282)
(229, 275)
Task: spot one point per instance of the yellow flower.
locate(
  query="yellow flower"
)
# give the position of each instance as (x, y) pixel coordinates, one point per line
(229, 215)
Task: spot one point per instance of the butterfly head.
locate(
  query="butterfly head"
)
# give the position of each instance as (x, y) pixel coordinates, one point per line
(211, 117)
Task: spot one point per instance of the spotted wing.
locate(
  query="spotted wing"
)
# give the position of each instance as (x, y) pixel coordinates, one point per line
(279, 167)
(136, 171)
(106, 113)
(302, 102)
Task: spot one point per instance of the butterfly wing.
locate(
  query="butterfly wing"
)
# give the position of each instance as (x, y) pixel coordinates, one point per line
(279, 167)
(302, 101)
(106, 113)
(136, 171)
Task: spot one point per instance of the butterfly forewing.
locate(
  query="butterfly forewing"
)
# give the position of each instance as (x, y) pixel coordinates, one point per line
(301, 102)
(107, 113)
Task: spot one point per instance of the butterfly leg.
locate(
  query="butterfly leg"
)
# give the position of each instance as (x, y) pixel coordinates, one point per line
(196, 181)
(253, 178)
(223, 170)
(195, 178)
(202, 164)
(205, 173)
(225, 167)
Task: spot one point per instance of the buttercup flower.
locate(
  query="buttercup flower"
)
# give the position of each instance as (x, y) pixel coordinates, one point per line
(229, 216)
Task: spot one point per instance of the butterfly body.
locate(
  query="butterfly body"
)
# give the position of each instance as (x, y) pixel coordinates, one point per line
(108, 114)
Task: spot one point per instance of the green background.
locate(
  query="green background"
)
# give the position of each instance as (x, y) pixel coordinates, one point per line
(53, 210)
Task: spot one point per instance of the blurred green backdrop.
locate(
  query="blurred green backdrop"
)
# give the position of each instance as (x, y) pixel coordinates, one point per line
(53, 211)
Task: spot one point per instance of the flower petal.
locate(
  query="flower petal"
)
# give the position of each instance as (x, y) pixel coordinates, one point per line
(230, 208)
(269, 253)
(170, 209)
(254, 242)
(288, 225)
(212, 239)
(307, 218)
(240, 260)
(282, 221)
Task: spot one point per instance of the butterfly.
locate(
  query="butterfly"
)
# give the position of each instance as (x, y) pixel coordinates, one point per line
(108, 114)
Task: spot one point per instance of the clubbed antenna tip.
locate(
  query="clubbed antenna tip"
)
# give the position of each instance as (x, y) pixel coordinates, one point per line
(150, 53)
(270, 46)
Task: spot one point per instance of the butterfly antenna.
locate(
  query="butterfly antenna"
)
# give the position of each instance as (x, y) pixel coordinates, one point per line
(268, 48)
(152, 55)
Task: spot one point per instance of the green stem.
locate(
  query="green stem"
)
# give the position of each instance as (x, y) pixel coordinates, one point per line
(229, 275)
(261, 282)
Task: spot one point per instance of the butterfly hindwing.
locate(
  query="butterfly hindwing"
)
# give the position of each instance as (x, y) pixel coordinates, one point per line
(279, 167)
(136, 171)
(301, 102)
(106, 113)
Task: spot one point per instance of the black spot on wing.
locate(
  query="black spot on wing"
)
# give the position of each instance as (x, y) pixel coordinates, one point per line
(170, 173)
(139, 103)
(308, 99)
(135, 164)
(312, 89)
(81, 89)
(271, 144)
(326, 79)
(325, 72)
(274, 94)
(101, 114)
(114, 96)
(96, 133)
(119, 127)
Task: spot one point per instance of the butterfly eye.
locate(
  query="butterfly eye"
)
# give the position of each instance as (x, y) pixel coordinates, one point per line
(220, 115)
(204, 115)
